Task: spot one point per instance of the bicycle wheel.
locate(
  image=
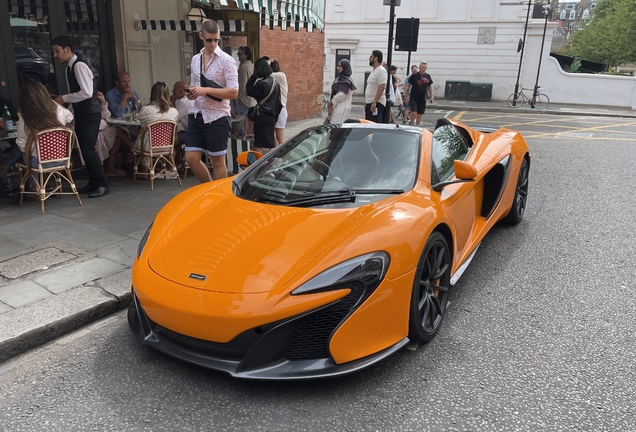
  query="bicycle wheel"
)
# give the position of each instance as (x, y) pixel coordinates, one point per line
(515, 100)
(541, 101)
(397, 111)
(325, 101)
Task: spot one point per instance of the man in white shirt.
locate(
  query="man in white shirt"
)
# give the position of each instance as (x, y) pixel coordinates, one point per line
(209, 121)
(182, 103)
(87, 110)
(374, 97)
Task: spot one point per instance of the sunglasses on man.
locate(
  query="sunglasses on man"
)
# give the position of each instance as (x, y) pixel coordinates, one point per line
(210, 40)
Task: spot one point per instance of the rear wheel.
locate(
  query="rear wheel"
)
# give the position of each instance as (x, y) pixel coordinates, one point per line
(515, 100)
(541, 101)
(430, 289)
(521, 196)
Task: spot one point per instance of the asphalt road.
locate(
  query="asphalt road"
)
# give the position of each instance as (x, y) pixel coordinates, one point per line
(540, 333)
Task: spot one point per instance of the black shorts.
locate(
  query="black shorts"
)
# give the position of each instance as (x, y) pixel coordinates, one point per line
(210, 138)
(418, 107)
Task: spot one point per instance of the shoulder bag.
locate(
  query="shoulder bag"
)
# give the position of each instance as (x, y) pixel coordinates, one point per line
(206, 82)
(255, 111)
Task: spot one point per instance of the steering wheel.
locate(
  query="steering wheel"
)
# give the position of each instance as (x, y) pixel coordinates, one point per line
(324, 165)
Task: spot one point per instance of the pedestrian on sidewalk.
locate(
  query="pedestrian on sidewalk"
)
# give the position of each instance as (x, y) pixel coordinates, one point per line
(209, 121)
(418, 85)
(374, 97)
(341, 93)
(406, 104)
(281, 122)
(87, 110)
(265, 90)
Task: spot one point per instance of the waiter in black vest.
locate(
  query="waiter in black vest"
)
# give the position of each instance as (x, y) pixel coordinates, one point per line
(87, 110)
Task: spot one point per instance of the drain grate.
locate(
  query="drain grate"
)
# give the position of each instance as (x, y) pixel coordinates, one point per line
(575, 135)
(34, 261)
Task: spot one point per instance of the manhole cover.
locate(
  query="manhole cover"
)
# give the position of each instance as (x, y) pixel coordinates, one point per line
(575, 135)
(34, 261)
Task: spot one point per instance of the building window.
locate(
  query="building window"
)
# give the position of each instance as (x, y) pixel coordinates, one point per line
(563, 12)
(571, 26)
(586, 13)
(572, 14)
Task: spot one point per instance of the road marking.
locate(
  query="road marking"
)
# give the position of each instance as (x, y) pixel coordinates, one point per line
(595, 128)
(459, 115)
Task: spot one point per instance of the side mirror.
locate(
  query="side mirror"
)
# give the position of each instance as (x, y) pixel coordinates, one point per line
(464, 172)
(247, 158)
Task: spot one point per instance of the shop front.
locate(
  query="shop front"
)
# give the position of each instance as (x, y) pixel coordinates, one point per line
(27, 28)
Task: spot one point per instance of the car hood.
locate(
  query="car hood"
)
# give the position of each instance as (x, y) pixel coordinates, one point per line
(223, 243)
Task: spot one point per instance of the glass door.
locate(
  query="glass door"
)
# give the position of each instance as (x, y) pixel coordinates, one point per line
(26, 46)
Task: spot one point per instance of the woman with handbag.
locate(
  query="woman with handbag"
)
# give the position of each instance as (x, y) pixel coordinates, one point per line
(262, 87)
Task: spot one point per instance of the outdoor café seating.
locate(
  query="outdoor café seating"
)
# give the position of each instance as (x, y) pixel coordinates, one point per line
(53, 153)
(161, 136)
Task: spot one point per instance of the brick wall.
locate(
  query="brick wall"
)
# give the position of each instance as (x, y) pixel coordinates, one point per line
(300, 55)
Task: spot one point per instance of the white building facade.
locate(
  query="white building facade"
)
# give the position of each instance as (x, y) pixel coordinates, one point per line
(462, 40)
(466, 41)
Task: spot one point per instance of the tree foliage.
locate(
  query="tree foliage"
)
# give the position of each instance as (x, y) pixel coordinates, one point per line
(609, 35)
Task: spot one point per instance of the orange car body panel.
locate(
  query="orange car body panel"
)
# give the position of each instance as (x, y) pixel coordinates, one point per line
(255, 254)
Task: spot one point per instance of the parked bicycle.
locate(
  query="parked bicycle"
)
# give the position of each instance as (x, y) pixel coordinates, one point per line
(539, 101)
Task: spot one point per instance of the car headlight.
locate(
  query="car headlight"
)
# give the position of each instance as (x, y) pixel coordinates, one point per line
(368, 269)
(143, 241)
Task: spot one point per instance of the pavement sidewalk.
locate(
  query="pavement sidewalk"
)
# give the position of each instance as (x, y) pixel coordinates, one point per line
(71, 266)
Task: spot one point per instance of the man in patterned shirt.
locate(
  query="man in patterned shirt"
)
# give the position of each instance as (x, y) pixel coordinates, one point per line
(209, 121)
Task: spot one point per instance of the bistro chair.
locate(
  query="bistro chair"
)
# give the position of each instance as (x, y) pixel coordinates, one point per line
(52, 149)
(162, 135)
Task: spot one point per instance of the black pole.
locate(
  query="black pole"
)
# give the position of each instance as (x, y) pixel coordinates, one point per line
(387, 109)
(523, 48)
(408, 61)
(545, 26)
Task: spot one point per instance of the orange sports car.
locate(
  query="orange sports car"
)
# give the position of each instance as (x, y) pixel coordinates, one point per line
(328, 254)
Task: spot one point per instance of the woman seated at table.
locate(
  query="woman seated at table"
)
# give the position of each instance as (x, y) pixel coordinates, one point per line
(159, 108)
(39, 112)
(110, 141)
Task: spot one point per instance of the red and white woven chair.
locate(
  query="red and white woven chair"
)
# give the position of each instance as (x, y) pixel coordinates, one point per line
(162, 135)
(52, 148)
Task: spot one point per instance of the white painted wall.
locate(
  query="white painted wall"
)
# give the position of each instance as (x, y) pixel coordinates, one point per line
(447, 40)
(566, 87)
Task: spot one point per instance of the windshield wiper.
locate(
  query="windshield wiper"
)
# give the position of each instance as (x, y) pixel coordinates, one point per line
(343, 195)
(331, 197)
(378, 191)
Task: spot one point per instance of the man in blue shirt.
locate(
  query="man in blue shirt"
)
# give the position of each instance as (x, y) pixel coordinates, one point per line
(118, 96)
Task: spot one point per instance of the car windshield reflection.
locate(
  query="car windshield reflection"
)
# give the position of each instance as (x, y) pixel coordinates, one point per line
(332, 166)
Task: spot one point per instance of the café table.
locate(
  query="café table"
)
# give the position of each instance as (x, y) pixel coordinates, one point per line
(122, 122)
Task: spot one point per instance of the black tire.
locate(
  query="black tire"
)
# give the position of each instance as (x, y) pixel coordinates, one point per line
(430, 289)
(518, 207)
(541, 101)
(397, 111)
(519, 100)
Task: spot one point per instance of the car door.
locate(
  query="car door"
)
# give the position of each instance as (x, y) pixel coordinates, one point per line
(457, 201)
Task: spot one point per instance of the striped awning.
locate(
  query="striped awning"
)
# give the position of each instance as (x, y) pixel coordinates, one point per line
(312, 11)
(186, 25)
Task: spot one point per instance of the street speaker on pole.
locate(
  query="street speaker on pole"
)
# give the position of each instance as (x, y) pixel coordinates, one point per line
(406, 34)
(391, 2)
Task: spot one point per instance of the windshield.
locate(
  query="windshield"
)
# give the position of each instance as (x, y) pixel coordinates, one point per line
(335, 166)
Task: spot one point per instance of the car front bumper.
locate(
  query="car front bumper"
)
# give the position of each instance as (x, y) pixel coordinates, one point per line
(271, 352)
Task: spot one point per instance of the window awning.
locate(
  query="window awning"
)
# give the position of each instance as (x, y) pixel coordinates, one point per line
(186, 25)
(312, 11)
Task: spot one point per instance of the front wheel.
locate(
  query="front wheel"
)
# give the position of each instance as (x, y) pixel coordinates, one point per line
(515, 100)
(541, 101)
(430, 289)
